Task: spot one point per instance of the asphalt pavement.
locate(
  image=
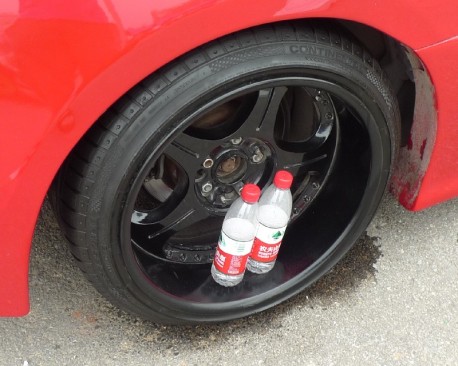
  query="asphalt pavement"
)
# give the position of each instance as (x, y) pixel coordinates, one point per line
(393, 300)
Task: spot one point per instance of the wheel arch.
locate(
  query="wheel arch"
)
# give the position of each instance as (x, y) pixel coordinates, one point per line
(416, 95)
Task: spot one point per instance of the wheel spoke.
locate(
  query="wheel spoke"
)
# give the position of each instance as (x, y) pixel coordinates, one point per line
(173, 216)
(294, 162)
(300, 154)
(189, 152)
(314, 142)
(261, 121)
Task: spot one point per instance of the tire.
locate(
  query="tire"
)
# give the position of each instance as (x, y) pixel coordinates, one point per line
(134, 198)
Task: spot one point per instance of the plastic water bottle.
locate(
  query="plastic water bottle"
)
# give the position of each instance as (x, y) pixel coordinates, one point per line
(236, 239)
(273, 216)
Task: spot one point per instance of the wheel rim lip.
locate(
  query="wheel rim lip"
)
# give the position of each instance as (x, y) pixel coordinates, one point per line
(312, 272)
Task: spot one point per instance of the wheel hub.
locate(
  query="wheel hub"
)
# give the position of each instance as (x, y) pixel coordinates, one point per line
(228, 167)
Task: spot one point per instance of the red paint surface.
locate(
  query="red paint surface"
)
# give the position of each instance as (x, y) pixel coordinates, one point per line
(62, 63)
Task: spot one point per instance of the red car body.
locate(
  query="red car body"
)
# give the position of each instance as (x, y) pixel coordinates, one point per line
(63, 63)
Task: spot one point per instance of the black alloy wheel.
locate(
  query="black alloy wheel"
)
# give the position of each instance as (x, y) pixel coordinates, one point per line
(143, 196)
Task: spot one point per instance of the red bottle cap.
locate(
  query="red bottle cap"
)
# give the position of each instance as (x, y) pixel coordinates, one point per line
(283, 179)
(250, 193)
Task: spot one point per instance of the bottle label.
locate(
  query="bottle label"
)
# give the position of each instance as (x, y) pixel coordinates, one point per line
(267, 243)
(231, 255)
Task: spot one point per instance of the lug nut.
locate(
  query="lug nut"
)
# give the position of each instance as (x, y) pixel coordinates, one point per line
(227, 198)
(238, 187)
(207, 187)
(208, 163)
(236, 141)
(258, 156)
(168, 253)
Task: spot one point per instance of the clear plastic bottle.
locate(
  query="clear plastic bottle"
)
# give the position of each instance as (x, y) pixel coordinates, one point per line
(236, 239)
(274, 212)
